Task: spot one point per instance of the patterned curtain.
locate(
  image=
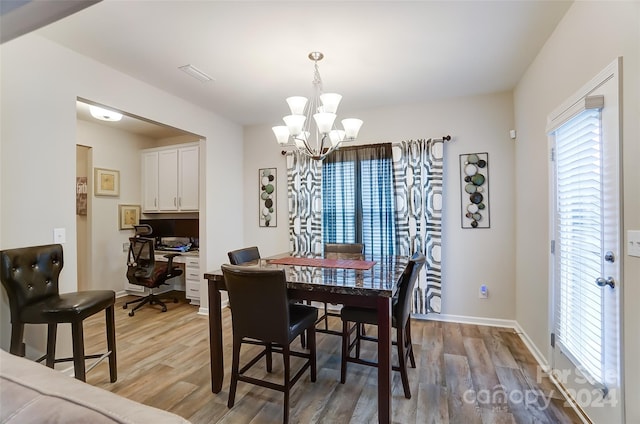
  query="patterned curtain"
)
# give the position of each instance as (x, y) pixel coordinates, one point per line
(304, 187)
(418, 170)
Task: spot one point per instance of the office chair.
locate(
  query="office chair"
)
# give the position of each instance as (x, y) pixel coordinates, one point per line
(248, 254)
(30, 278)
(338, 251)
(400, 320)
(277, 324)
(143, 270)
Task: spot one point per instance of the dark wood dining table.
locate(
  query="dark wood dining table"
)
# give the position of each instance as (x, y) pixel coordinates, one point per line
(372, 288)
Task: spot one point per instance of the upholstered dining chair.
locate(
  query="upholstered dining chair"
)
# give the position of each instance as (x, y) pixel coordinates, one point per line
(338, 251)
(400, 320)
(240, 256)
(30, 278)
(278, 324)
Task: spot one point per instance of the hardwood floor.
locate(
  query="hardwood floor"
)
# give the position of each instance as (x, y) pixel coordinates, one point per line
(464, 374)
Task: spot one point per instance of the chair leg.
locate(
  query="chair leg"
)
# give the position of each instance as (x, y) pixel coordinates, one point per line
(287, 382)
(358, 338)
(17, 337)
(78, 350)
(235, 366)
(345, 348)
(326, 317)
(403, 362)
(269, 357)
(312, 351)
(52, 332)
(410, 343)
(111, 343)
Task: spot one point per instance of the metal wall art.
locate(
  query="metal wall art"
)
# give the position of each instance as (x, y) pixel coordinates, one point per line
(474, 185)
(267, 181)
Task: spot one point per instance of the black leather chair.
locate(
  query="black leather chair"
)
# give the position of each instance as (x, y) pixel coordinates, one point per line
(338, 251)
(262, 314)
(30, 278)
(240, 256)
(143, 270)
(400, 320)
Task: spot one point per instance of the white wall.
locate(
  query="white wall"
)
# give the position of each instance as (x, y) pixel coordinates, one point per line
(470, 256)
(111, 148)
(40, 82)
(590, 36)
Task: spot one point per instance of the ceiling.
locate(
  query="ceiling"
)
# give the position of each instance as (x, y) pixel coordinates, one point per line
(377, 53)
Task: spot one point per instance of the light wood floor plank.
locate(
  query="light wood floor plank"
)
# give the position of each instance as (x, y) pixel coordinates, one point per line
(163, 361)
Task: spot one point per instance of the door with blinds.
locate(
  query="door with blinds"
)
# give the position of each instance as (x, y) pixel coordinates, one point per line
(586, 247)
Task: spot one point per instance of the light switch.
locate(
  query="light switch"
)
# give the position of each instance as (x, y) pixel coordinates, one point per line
(633, 243)
(59, 235)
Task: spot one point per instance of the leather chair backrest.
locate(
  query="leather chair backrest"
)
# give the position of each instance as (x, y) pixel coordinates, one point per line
(30, 274)
(259, 302)
(401, 303)
(344, 248)
(240, 256)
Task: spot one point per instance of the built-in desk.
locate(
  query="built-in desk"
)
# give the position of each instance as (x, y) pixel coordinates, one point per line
(189, 281)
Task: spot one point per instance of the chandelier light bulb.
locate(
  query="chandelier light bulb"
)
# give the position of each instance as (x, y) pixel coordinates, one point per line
(351, 128)
(294, 123)
(297, 104)
(282, 134)
(330, 102)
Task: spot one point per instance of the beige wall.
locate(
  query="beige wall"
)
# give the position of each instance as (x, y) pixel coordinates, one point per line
(591, 36)
(40, 82)
(470, 257)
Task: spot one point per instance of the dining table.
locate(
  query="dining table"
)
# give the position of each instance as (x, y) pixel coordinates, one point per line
(370, 282)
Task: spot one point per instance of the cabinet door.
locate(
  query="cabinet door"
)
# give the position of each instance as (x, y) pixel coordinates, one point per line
(168, 180)
(188, 178)
(150, 181)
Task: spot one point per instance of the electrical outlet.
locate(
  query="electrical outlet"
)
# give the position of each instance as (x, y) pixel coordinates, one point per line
(125, 247)
(484, 292)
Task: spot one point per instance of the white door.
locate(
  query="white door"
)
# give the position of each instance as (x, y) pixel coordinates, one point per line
(150, 181)
(586, 248)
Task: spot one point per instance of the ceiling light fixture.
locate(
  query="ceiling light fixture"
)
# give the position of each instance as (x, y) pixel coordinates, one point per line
(323, 107)
(196, 73)
(104, 114)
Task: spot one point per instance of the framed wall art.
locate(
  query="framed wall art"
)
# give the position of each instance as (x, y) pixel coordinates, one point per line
(128, 216)
(474, 189)
(267, 181)
(106, 182)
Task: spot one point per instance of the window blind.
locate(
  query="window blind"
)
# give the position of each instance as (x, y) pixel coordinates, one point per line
(579, 324)
(357, 198)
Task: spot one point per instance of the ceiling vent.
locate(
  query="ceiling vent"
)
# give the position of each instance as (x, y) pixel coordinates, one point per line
(196, 73)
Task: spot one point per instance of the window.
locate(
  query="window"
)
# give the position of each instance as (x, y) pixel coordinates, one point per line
(358, 201)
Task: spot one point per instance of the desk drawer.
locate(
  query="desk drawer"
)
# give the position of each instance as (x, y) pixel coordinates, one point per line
(193, 290)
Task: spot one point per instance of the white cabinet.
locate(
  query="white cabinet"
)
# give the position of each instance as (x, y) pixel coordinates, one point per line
(170, 179)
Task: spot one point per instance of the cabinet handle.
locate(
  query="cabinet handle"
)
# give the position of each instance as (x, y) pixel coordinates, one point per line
(174, 202)
(179, 201)
(155, 202)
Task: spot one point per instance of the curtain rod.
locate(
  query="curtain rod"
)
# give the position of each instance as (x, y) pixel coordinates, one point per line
(443, 139)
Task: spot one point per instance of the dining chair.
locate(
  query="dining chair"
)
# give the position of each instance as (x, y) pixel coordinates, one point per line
(279, 322)
(400, 320)
(338, 251)
(247, 254)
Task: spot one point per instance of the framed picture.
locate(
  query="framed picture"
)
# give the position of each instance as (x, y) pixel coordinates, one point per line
(107, 182)
(267, 182)
(129, 215)
(474, 189)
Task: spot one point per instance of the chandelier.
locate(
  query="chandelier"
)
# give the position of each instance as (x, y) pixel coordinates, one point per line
(325, 138)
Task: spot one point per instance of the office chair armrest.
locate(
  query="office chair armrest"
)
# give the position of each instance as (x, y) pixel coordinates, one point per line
(170, 257)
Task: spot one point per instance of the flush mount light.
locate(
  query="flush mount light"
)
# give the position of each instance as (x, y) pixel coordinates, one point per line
(196, 73)
(104, 114)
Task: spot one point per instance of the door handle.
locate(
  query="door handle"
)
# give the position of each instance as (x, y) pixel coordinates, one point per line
(606, 282)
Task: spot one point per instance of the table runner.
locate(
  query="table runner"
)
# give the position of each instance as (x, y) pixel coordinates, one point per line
(327, 263)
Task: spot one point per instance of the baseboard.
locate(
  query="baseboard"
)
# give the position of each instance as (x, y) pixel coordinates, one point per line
(463, 319)
(121, 293)
(537, 354)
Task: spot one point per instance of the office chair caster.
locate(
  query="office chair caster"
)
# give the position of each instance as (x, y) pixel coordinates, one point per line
(131, 313)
